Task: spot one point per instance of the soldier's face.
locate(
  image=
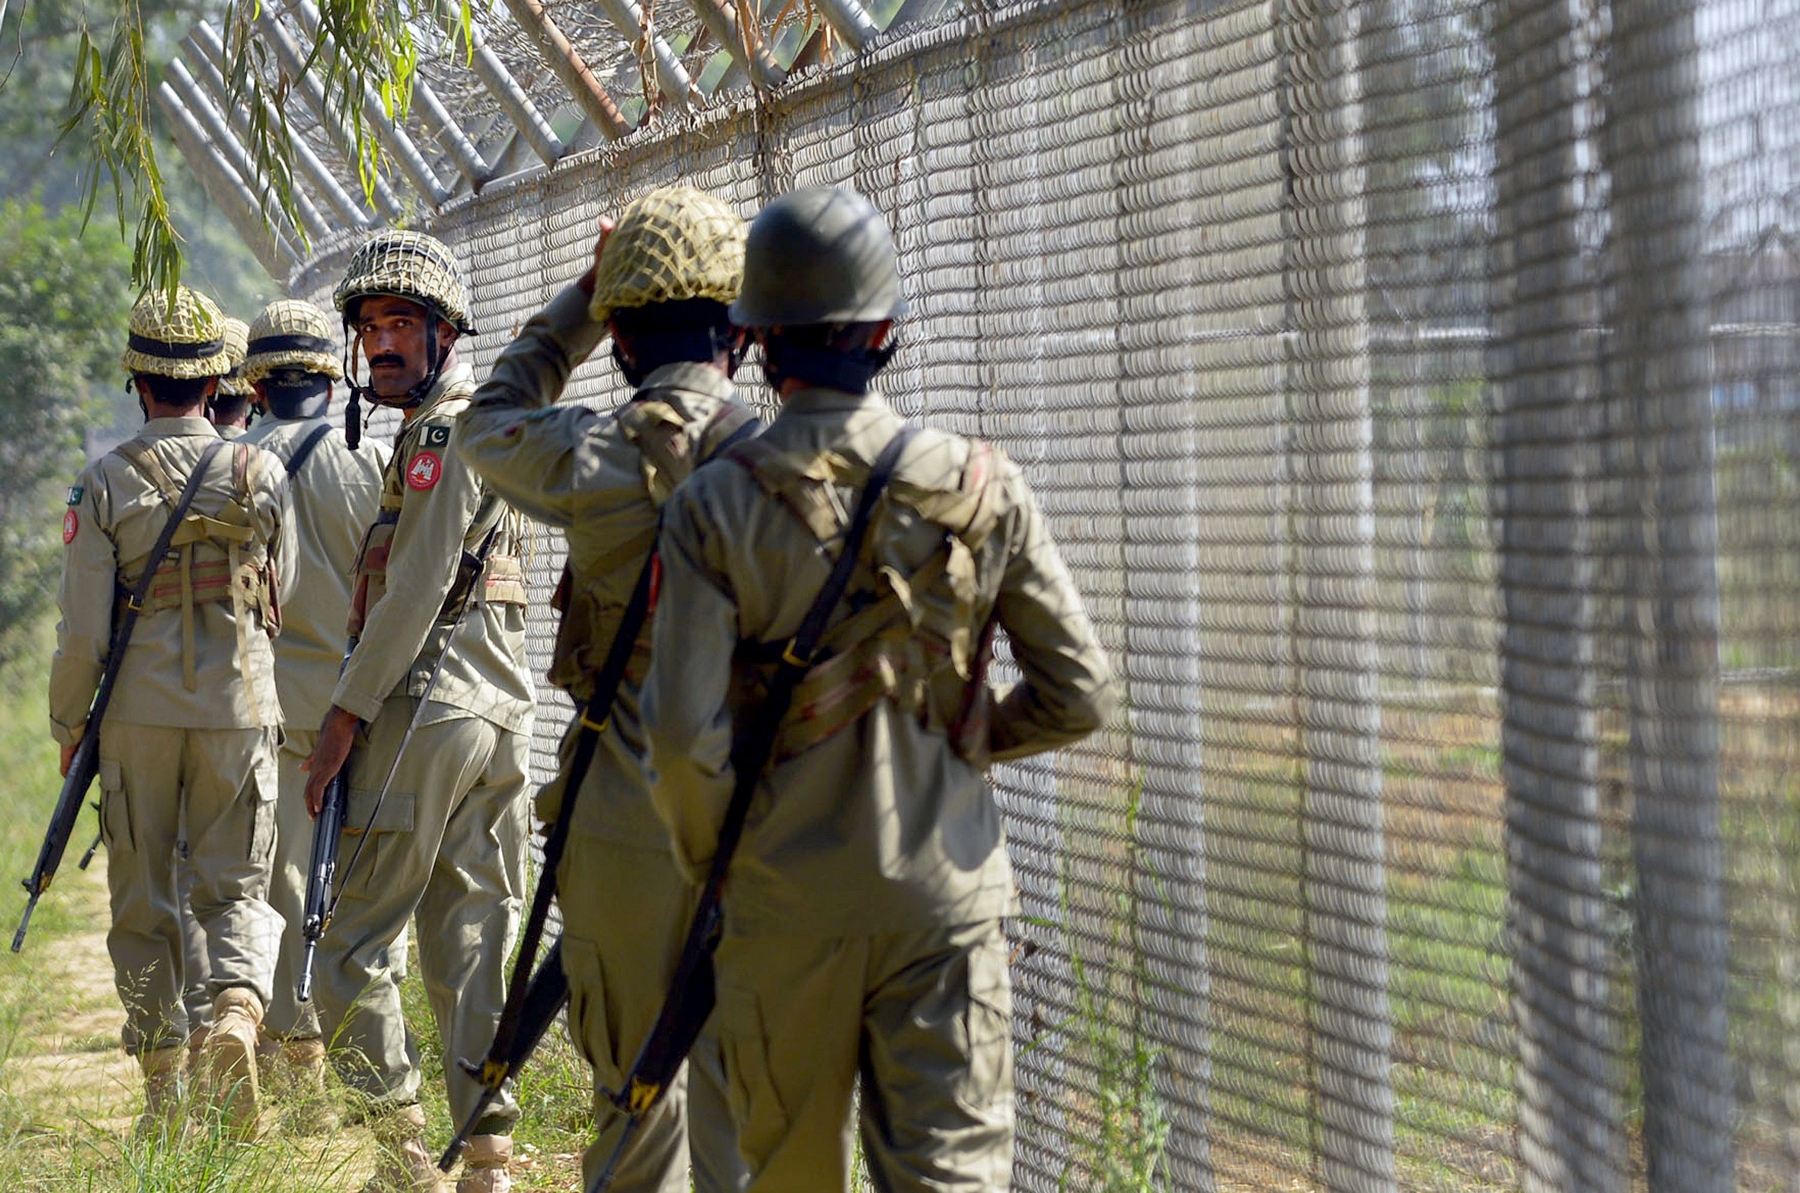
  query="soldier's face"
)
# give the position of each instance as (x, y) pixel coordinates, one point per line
(392, 334)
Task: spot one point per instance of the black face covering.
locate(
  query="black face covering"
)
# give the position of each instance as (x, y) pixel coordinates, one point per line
(296, 394)
(851, 370)
(658, 348)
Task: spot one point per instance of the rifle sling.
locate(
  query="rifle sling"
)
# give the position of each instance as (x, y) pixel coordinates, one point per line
(305, 450)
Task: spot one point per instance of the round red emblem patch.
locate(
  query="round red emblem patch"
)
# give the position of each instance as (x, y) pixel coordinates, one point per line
(71, 524)
(424, 471)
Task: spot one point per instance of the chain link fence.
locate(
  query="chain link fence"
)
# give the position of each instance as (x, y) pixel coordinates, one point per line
(1411, 385)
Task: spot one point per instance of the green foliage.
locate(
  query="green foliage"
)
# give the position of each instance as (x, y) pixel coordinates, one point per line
(55, 290)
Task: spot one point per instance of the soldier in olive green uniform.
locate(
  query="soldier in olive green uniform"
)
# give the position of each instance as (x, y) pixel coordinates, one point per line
(449, 839)
(187, 751)
(661, 283)
(291, 364)
(862, 916)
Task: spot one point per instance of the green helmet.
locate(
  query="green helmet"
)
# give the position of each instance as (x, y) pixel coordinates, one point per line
(237, 345)
(672, 244)
(409, 265)
(819, 255)
(181, 339)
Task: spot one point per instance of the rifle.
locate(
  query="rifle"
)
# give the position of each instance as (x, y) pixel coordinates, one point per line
(335, 812)
(693, 991)
(87, 858)
(503, 1054)
(86, 762)
(321, 866)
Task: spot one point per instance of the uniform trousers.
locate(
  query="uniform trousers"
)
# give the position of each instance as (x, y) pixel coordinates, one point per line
(449, 844)
(287, 1017)
(207, 795)
(625, 911)
(923, 1019)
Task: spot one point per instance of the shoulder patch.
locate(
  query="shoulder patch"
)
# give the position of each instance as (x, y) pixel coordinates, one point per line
(436, 437)
(71, 524)
(75, 494)
(425, 470)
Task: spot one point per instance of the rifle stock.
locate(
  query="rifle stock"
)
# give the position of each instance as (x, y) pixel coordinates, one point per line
(82, 769)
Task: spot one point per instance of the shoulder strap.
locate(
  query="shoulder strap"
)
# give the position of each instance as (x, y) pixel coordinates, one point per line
(144, 462)
(306, 447)
(752, 753)
(134, 604)
(748, 427)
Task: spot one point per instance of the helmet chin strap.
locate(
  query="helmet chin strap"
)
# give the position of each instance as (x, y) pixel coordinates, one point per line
(410, 400)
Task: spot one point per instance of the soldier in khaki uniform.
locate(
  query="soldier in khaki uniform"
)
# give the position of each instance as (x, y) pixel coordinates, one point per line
(449, 840)
(291, 364)
(862, 916)
(660, 284)
(231, 406)
(228, 410)
(187, 752)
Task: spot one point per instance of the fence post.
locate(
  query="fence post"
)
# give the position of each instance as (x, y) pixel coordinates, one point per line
(1544, 364)
(1324, 234)
(1659, 370)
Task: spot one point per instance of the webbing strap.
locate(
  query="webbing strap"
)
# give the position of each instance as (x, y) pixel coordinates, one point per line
(306, 448)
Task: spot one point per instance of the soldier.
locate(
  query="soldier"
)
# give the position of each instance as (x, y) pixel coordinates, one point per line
(660, 285)
(291, 364)
(449, 840)
(862, 917)
(187, 752)
(229, 409)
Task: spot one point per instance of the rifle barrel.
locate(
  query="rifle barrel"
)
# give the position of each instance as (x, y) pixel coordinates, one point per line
(25, 920)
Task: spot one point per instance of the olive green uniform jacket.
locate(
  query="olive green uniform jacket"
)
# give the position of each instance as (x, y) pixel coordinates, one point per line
(600, 478)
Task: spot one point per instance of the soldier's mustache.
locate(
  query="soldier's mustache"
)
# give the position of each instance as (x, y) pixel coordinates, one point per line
(387, 358)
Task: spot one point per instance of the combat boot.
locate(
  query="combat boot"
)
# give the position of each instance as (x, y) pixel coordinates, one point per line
(162, 1069)
(405, 1165)
(230, 1060)
(485, 1164)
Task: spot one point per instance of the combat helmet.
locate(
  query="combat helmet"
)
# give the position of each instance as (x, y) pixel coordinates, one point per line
(820, 254)
(409, 265)
(293, 358)
(291, 333)
(182, 338)
(237, 346)
(671, 245)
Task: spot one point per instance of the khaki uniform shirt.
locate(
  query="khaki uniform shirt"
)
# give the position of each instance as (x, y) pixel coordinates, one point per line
(114, 517)
(335, 493)
(405, 630)
(600, 478)
(882, 827)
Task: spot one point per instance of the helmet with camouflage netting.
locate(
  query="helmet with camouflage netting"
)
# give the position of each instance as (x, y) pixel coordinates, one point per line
(820, 254)
(671, 245)
(291, 333)
(183, 338)
(408, 265)
(237, 345)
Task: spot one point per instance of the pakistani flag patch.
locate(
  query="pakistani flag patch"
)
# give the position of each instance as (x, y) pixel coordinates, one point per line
(75, 492)
(437, 436)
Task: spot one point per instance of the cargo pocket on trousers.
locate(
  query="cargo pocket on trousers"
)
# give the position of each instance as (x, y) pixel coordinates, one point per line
(588, 1020)
(264, 788)
(987, 1026)
(394, 816)
(747, 1060)
(115, 808)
